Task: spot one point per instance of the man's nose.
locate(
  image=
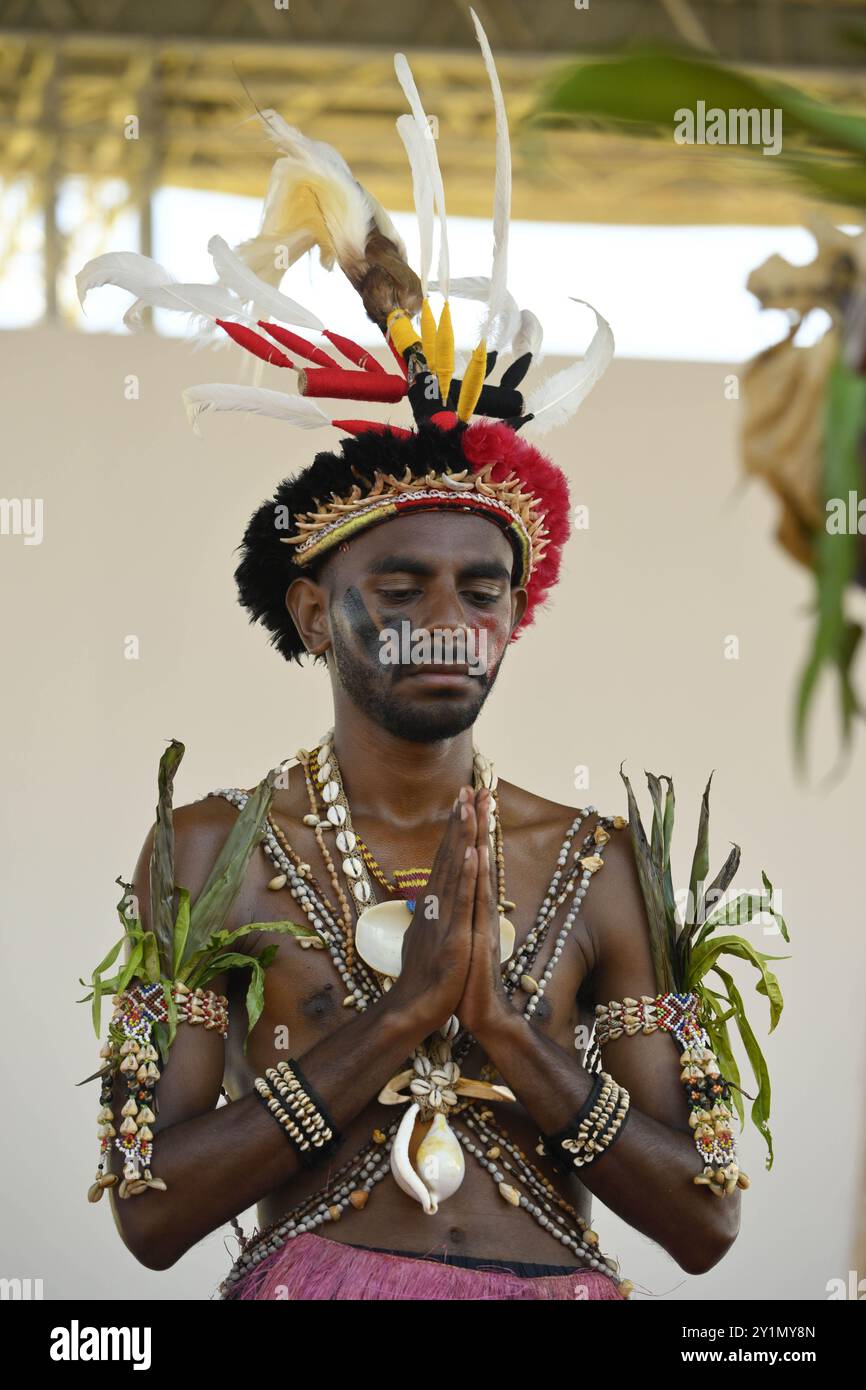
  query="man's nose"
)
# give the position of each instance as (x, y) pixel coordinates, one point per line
(440, 608)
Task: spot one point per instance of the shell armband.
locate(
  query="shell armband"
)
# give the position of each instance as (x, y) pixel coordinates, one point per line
(131, 1053)
(707, 1091)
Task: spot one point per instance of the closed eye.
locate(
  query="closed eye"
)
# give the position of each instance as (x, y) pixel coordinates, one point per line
(398, 595)
(481, 597)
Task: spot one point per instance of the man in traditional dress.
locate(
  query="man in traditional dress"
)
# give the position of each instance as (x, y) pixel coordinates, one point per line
(418, 1112)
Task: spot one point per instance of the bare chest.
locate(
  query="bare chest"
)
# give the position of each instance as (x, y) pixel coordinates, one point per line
(306, 998)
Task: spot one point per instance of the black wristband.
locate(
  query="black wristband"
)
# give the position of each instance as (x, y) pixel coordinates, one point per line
(336, 1138)
(307, 1156)
(564, 1162)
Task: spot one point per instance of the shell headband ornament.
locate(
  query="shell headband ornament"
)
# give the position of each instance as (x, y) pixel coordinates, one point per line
(313, 200)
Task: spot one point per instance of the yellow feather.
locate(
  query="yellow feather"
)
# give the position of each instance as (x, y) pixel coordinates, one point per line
(445, 351)
(305, 209)
(473, 380)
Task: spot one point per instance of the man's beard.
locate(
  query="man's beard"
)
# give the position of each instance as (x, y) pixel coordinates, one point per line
(371, 688)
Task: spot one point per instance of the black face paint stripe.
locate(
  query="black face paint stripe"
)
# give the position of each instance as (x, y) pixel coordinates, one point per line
(358, 618)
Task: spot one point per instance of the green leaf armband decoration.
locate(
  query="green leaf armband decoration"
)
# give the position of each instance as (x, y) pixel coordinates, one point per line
(165, 976)
(684, 954)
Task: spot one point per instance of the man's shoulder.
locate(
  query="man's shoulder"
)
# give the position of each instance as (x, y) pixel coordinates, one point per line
(527, 810)
(544, 823)
(200, 828)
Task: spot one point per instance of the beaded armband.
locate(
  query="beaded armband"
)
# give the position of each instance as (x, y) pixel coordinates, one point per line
(131, 1053)
(298, 1110)
(594, 1129)
(707, 1091)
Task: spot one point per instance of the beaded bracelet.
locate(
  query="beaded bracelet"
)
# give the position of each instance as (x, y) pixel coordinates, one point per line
(302, 1110)
(299, 1113)
(707, 1091)
(594, 1129)
(297, 1083)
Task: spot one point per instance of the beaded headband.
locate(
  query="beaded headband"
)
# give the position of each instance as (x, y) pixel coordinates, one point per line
(504, 502)
(313, 200)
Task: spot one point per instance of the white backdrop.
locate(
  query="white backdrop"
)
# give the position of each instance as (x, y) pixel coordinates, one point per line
(140, 522)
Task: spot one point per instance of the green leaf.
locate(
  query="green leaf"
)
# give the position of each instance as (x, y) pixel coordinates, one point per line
(706, 959)
(129, 924)
(191, 973)
(162, 855)
(780, 921)
(131, 968)
(257, 965)
(668, 822)
(150, 958)
(641, 92)
(181, 931)
(693, 936)
(657, 845)
(109, 959)
(761, 1103)
(213, 904)
(835, 638)
(717, 1031)
(171, 1009)
(160, 1035)
(674, 925)
(653, 896)
(736, 913)
(700, 860)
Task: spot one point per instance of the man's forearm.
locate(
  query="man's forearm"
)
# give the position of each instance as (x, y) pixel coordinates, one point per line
(218, 1164)
(647, 1177)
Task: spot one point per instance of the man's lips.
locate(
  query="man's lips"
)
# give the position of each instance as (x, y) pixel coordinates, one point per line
(439, 677)
(446, 668)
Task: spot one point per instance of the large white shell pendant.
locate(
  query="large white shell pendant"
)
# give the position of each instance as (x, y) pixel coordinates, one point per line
(439, 1163)
(379, 934)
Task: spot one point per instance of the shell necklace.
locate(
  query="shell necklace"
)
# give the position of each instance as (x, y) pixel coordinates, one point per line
(381, 926)
(487, 1143)
(426, 1157)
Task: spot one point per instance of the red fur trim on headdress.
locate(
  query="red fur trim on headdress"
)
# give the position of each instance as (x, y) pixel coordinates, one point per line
(492, 442)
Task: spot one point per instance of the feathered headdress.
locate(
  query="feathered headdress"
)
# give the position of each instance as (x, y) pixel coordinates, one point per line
(314, 201)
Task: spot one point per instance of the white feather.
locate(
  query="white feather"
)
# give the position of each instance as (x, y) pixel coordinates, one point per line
(478, 287)
(410, 91)
(154, 287)
(237, 276)
(557, 399)
(296, 410)
(528, 336)
(126, 269)
(422, 192)
(495, 323)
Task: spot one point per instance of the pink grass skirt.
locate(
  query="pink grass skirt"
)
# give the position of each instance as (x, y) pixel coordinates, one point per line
(314, 1267)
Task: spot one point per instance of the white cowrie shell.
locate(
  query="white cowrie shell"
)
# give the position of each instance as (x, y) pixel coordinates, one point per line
(346, 841)
(337, 815)
(352, 868)
(330, 791)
